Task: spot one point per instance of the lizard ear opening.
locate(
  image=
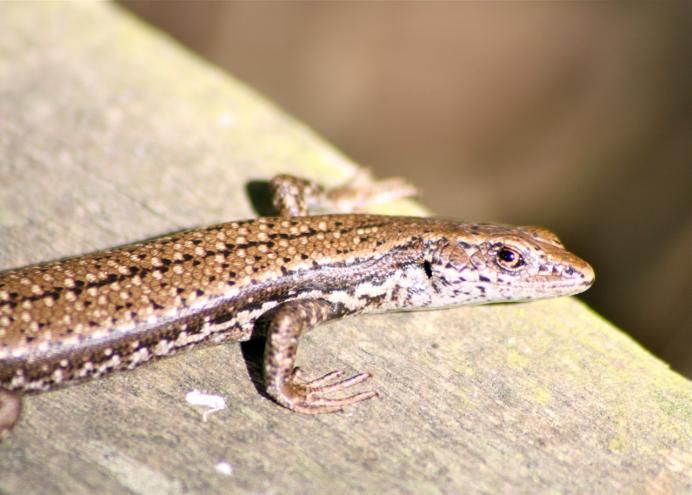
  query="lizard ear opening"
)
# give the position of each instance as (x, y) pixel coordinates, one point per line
(427, 266)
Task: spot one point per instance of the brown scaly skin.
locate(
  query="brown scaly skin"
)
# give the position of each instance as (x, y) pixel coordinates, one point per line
(84, 317)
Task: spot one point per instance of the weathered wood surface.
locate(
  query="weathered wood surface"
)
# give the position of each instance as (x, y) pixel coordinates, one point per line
(110, 133)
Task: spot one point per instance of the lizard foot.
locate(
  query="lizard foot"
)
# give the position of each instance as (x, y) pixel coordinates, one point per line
(362, 191)
(307, 397)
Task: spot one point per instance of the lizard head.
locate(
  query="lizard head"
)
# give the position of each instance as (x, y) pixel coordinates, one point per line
(483, 263)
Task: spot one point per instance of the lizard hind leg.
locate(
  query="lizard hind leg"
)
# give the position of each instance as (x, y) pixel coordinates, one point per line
(283, 380)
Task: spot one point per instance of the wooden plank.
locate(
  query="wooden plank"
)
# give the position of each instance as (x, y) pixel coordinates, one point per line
(110, 133)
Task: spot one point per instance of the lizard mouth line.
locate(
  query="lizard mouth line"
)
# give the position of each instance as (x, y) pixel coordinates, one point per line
(576, 285)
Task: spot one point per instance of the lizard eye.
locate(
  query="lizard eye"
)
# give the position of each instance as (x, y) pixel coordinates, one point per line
(509, 258)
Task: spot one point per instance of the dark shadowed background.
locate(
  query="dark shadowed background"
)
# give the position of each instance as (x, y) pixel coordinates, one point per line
(575, 116)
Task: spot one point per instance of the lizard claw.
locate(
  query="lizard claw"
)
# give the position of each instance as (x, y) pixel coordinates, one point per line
(307, 397)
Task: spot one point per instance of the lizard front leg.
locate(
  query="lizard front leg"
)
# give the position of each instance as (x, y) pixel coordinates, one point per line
(282, 377)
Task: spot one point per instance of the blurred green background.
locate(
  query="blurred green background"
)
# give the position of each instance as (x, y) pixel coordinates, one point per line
(574, 116)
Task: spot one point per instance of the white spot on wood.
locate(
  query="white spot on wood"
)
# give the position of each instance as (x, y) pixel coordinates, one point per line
(215, 403)
(224, 468)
